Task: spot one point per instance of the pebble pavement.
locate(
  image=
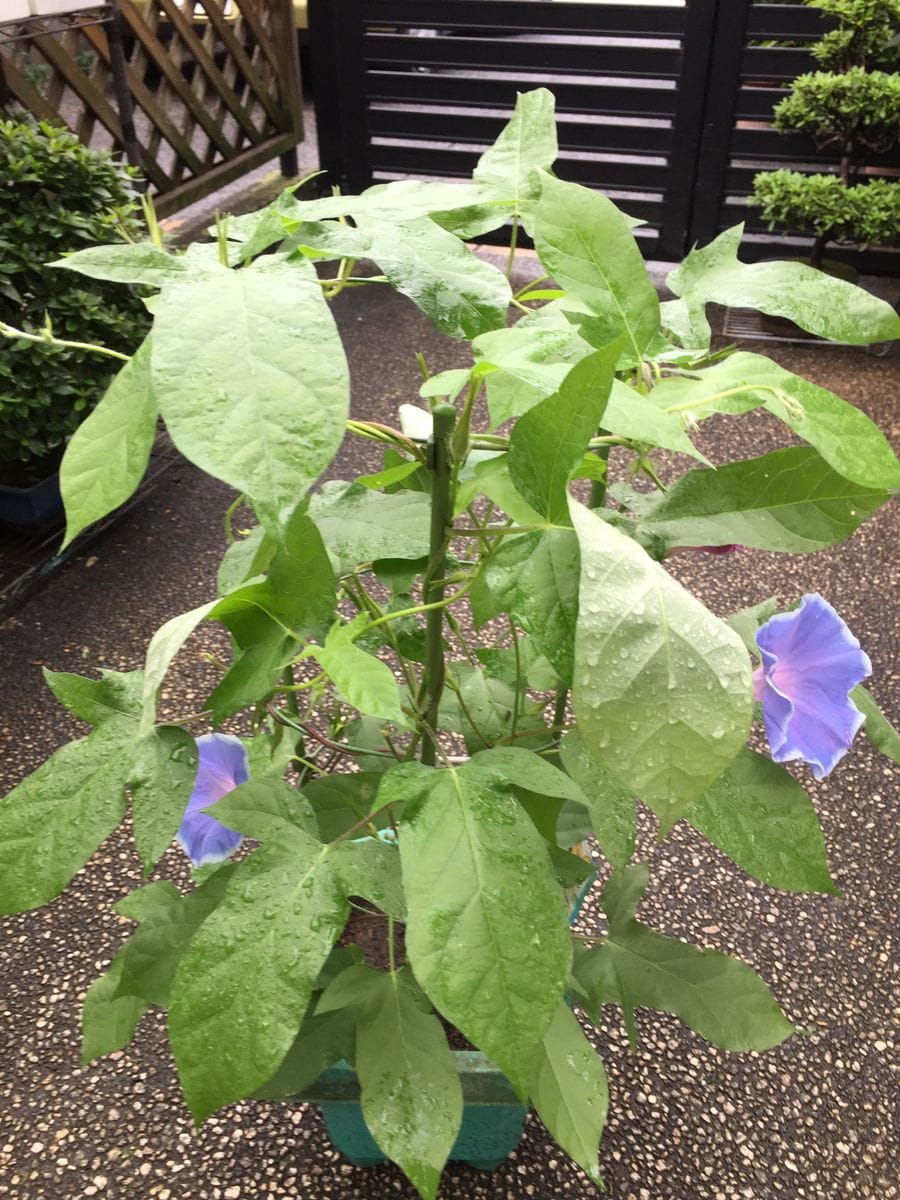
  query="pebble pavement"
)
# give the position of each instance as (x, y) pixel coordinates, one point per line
(811, 1120)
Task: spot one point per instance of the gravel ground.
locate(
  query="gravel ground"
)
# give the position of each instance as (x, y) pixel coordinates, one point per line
(811, 1120)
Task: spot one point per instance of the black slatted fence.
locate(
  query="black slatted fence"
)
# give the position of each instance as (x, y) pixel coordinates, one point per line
(665, 107)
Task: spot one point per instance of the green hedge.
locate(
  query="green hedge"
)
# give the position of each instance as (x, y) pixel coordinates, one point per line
(56, 196)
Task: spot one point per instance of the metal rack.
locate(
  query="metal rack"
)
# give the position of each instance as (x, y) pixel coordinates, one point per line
(746, 324)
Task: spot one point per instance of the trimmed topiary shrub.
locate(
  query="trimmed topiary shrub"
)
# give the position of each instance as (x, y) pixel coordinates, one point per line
(852, 108)
(56, 196)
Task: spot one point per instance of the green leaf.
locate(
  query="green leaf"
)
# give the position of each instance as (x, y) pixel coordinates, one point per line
(530, 664)
(847, 439)
(746, 621)
(359, 525)
(609, 804)
(115, 694)
(764, 821)
(719, 997)
(255, 669)
(535, 578)
(164, 645)
(136, 262)
(244, 559)
(367, 734)
(341, 801)
(488, 939)
(821, 304)
(161, 780)
(108, 453)
(168, 921)
(322, 1041)
(277, 413)
(507, 170)
(301, 579)
(491, 477)
(523, 364)
(371, 869)
(269, 810)
(52, 823)
(298, 593)
(356, 987)
(549, 441)
(108, 1021)
(446, 383)
(146, 902)
(366, 683)
(630, 415)
(269, 229)
(513, 766)
(790, 501)
(877, 728)
(486, 710)
(269, 755)
(390, 475)
(586, 244)
(461, 295)
(404, 198)
(662, 690)
(246, 979)
(569, 1091)
(411, 1095)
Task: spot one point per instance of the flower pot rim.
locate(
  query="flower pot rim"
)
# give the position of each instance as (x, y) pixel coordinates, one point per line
(482, 1083)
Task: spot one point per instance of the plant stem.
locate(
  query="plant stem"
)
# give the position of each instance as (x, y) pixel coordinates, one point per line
(598, 486)
(526, 287)
(414, 609)
(46, 338)
(518, 656)
(361, 824)
(687, 405)
(338, 747)
(365, 603)
(229, 518)
(432, 589)
(390, 936)
(559, 711)
(376, 432)
(513, 239)
(460, 446)
(818, 250)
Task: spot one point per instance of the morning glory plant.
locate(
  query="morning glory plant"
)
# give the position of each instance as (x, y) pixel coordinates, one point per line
(450, 675)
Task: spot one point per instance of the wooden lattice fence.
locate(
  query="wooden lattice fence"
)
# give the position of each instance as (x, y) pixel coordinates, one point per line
(194, 92)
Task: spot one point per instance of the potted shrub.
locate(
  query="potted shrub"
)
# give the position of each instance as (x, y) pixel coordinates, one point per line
(852, 109)
(457, 667)
(56, 196)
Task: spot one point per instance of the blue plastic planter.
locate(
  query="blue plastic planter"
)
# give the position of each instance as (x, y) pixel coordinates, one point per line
(491, 1126)
(31, 506)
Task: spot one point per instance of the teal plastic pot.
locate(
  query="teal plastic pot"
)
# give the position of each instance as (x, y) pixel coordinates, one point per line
(492, 1121)
(493, 1116)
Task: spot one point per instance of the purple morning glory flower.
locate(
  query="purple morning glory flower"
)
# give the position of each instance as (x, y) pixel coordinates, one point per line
(221, 768)
(810, 663)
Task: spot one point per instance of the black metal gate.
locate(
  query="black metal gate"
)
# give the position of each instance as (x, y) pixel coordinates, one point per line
(666, 107)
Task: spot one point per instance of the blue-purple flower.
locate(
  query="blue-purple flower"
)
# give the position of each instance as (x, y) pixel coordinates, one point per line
(810, 663)
(221, 768)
